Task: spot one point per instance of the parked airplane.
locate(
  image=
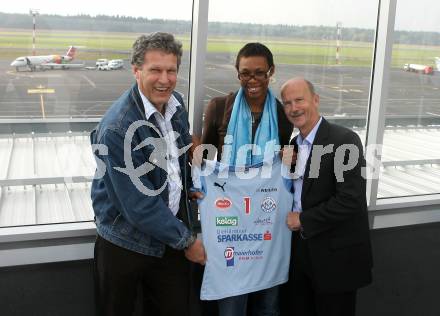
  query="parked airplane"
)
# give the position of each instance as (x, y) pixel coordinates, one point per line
(47, 62)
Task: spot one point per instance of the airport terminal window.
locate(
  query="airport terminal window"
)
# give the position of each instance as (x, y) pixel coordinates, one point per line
(48, 104)
(319, 40)
(47, 110)
(411, 152)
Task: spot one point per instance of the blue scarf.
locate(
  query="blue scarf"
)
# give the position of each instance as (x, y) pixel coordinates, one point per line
(240, 131)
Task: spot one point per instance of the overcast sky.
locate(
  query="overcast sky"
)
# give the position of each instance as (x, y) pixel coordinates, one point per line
(421, 15)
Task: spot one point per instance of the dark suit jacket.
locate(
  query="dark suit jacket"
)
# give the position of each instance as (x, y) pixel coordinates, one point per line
(334, 216)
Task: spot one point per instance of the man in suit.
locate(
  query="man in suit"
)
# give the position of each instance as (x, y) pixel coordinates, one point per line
(331, 251)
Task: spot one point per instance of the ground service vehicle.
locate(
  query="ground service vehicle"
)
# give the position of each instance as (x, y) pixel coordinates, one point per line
(424, 69)
(112, 65)
(115, 64)
(101, 62)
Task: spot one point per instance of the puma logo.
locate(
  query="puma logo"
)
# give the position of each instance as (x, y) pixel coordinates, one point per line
(220, 186)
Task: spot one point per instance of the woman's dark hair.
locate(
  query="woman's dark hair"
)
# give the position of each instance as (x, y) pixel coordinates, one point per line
(255, 49)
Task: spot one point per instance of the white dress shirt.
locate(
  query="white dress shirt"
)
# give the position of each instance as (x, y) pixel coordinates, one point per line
(173, 168)
(304, 148)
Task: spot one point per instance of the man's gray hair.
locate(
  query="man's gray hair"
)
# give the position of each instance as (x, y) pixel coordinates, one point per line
(155, 41)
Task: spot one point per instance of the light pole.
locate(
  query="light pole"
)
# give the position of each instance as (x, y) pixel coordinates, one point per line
(338, 41)
(34, 13)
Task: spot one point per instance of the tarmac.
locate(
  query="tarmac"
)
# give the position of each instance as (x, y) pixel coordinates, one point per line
(88, 93)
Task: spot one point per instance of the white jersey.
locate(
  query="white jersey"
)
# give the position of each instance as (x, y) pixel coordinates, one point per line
(244, 229)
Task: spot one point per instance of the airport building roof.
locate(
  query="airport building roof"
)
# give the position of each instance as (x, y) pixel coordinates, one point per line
(47, 178)
(410, 162)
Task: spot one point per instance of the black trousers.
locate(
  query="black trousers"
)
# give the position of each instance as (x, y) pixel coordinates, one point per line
(119, 272)
(300, 296)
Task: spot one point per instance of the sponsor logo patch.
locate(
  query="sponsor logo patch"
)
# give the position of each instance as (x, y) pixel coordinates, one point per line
(226, 221)
(247, 255)
(267, 190)
(223, 203)
(221, 186)
(229, 256)
(239, 237)
(266, 221)
(268, 205)
(267, 235)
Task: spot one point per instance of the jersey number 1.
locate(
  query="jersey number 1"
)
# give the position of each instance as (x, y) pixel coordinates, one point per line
(247, 205)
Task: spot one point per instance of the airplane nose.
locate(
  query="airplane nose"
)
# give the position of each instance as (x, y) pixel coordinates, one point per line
(14, 63)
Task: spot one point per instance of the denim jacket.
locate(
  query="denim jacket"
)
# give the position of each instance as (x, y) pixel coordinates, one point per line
(123, 214)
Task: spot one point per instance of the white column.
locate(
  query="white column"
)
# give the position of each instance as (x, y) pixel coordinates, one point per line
(199, 34)
(379, 86)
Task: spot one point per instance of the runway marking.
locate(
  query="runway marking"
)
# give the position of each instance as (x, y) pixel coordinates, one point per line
(89, 81)
(42, 106)
(52, 116)
(224, 93)
(341, 100)
(92, 108)
(345, 90)
(434, 114)
(324, 85)
(33, 75)
(348, 99)
(207, 87)
(417, 99)
(58, 102)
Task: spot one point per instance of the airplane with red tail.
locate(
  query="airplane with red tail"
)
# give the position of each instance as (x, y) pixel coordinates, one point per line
(47, 61)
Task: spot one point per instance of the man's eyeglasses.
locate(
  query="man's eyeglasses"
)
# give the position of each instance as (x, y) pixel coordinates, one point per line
(258, 75)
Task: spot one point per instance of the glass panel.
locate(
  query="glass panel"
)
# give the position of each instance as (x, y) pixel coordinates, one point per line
(411, 152)
(55, 84)
(327, 42)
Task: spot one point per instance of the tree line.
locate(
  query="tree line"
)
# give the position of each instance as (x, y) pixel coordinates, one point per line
(103, 23)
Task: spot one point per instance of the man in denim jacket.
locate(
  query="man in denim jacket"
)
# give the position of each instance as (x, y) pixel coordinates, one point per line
(140, 189)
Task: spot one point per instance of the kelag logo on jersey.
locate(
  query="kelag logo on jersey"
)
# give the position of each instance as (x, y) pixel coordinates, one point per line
(229, 256)
(223, 203)
(268, 205)
(226, 221)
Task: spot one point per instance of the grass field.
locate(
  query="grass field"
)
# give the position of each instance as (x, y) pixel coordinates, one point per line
(93, 45)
